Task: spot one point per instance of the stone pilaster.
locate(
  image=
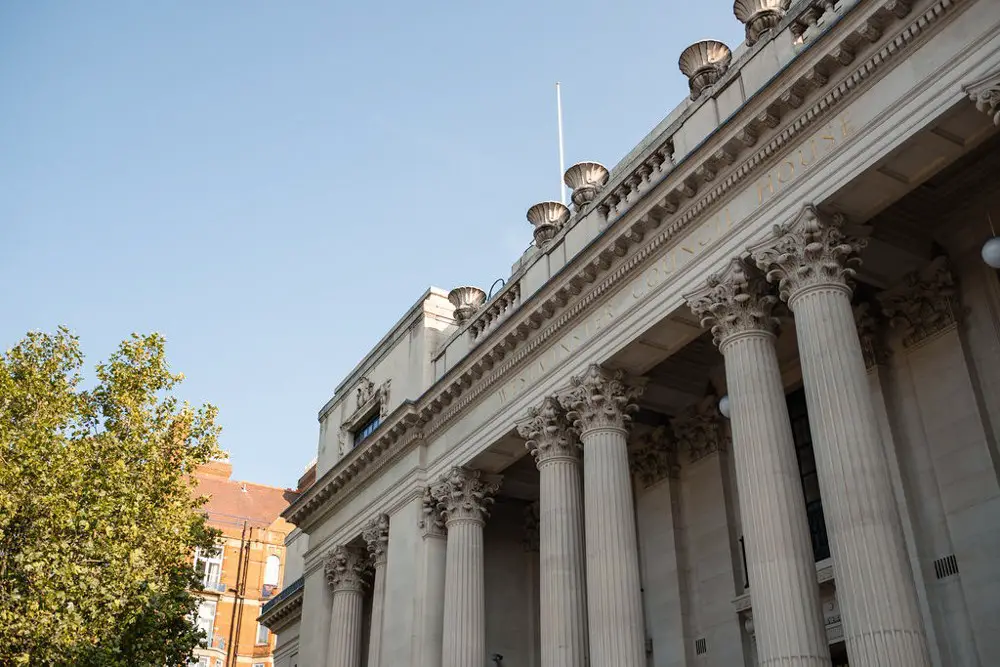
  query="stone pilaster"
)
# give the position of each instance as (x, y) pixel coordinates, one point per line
(924, 304)
(346, 571)
(376, 536)
(812, 259)
(431, 621)
(563, 599)
(463, 497)
(654, 457)
(599, 404)
(873, 348)
(700, 429)
(789, 626)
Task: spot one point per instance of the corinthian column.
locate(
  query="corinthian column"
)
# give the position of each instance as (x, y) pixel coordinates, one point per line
(563, 593)
(345, 572)
(463, 496)
(811, 259)
(376, 536)
(599, 403)
(431, 618)
(780, 563)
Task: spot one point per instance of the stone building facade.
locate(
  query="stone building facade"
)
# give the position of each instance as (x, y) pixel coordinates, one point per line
(739, 405)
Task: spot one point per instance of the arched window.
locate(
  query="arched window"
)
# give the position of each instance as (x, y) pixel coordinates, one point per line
(271, 570)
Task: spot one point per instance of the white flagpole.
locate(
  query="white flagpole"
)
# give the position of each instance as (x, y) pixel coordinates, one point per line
(562, 159)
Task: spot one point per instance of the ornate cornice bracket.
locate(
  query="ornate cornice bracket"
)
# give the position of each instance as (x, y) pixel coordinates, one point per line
(600, 398)
(464, 494)
(346, 569)
(701, 429)
(653, 457)
(985, 94)
(735, 301)
(548, 433)
(924, 303)
(814, 249)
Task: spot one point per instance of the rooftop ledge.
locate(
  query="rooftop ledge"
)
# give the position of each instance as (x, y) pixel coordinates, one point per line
(789, 101)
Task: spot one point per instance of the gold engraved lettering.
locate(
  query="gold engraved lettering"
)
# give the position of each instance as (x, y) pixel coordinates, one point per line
(802, 154)
(791, 171)
(846, 129)
(760, 188)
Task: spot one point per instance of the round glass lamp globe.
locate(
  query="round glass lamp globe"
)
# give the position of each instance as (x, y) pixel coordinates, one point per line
(724, 406)
(991, 252)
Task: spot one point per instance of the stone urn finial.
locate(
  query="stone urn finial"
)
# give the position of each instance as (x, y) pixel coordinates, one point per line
(548, 217)
(585, 179)
(467, 300)
(704, 63)
(759, 16)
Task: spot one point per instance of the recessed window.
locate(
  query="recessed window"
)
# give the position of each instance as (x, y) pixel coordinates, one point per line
(262, 633)
(205, 620)
(272, 569)
(367, 428)
(208, 563)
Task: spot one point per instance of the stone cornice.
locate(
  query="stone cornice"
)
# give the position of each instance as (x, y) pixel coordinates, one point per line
(833, 69)
(285, 611)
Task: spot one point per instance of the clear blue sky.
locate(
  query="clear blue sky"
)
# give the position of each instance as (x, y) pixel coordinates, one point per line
(271, 185)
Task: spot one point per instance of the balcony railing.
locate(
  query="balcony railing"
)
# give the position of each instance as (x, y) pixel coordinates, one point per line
(294, 587)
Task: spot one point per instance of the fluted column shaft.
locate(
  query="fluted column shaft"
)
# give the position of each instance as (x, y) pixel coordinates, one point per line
(561, 547)
(782, 571)
(562, 581)
(376, 535)
(875, 587)
(812, 259)
(464, 595)
(345, 571)
(345, 628)
(462, 498)
(614, 601)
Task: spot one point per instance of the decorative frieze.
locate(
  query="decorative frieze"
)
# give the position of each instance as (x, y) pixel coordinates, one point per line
(548, 434)
(759, 16)
(812, 250)
(346, 569)
(701, 429)
(704, 63)
(653, 456)
(600, 398)
(465, 495)
(376, 536)
(924, 303)
(985, 94)
(735, 301)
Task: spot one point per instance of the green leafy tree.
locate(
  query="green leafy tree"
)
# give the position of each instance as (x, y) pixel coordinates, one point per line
(98, 521)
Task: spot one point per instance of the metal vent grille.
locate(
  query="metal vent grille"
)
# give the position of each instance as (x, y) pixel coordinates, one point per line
(700, 646)
(946, 567)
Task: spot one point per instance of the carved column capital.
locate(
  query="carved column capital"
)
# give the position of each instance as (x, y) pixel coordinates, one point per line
(923, 303)
(654, 456)
(376, 536)
(465, 495)
(869, 326)
(548, 434)
(346, 569)
(985, 94)
(532, 524)
(813, 250)
(734, 301)
(600, 399)
(431, 521)
(701, 429)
